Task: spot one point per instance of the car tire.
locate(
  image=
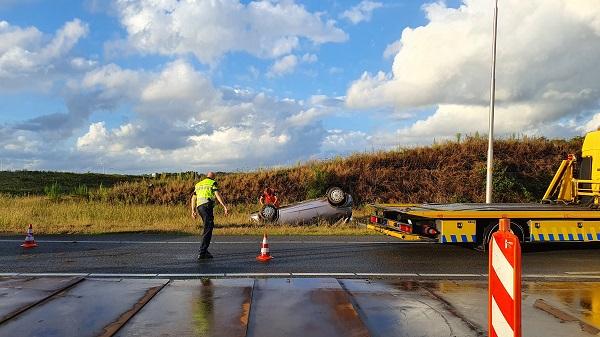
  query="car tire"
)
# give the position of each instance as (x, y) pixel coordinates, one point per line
(336, 196)
(268, 213)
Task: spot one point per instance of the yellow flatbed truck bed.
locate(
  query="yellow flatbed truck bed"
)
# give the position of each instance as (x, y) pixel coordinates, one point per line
(474, 223)
(570, 210)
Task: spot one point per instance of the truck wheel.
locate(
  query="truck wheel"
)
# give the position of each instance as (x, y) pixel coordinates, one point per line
(336, 196)
(269, 213)
(490, 229)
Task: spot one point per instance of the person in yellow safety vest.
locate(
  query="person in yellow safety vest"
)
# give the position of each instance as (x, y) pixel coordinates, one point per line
(203, 204)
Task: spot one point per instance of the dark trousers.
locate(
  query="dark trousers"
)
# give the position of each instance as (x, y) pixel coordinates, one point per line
(208, 218)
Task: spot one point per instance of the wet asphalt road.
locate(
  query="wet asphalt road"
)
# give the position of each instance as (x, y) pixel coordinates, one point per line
(171, 254)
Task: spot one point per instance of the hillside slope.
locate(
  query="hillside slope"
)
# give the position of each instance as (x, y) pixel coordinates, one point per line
(448, 172)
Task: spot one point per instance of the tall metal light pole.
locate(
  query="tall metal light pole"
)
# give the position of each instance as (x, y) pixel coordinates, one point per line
(490, 156)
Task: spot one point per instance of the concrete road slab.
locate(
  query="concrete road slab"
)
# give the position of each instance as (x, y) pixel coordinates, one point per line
(404, 309)
(581, 299)
(283, 307)
(469, 298)
(195, 308)
(91, 308)
(37, 283)
(303, 307)
(19, 294)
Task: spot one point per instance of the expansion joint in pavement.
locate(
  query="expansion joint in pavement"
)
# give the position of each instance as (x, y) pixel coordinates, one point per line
(361, 313)
(42, 300)
(249, 313)
(480, 330)
(112, 328)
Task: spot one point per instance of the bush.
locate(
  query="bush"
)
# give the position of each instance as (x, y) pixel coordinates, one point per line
(81, 191)
(53, 192)
(318, 185)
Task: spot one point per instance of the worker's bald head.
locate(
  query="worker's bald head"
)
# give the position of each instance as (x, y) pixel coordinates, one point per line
(210, 175)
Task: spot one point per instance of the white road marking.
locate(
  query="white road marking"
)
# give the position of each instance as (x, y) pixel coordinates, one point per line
(121, 275)
(582, 272)
(388, 274)
(291, 274)
(562, 276)
(118, 242)
(450, 275)
(191, 275)
(52, 274)
(323, 274)
(257, 274)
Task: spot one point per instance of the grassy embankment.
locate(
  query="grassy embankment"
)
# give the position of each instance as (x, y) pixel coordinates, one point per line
(73, 216)
(447, 172)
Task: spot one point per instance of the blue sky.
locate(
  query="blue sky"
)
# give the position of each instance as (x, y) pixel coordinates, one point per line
(140, 86)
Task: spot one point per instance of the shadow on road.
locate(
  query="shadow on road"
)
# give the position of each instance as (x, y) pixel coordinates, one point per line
(534, 247)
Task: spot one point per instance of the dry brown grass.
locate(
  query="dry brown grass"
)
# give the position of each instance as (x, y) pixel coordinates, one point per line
(72, 216)
(448, 172)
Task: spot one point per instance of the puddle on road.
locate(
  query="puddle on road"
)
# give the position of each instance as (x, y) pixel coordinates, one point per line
(210, 314)
(16, 295)
(86, 309)
(404, 309)
(579, 298)
(303, 307)
(286, 307)
(195, 308)
(343, 315)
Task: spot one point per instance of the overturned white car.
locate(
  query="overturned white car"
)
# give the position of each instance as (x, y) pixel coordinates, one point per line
(335, 206)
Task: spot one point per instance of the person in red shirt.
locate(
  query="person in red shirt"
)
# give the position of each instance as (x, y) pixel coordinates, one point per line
(269, 198)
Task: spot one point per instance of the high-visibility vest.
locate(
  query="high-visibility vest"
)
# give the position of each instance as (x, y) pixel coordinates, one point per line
(205, 191)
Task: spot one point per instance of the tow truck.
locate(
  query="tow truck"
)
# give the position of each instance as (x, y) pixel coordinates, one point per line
(569, 211)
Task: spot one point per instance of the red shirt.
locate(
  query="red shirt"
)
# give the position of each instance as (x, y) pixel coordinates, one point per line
(270, 199)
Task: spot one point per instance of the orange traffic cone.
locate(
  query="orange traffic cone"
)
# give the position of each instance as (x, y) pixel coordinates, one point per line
(264, 255)
(29, 240)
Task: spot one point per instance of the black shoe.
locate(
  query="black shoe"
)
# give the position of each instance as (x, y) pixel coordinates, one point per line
(205, 256)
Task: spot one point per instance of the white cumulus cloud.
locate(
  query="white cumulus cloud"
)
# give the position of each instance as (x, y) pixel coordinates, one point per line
(182, 121)
(546, 71)
(284, 65)
(340, 141)
(392, 49)
(289, 63)
(309, 58)
(30, 58)
(210, 29)
(361, 12)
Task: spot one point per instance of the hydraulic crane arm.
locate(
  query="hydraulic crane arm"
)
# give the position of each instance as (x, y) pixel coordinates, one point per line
(561, 186)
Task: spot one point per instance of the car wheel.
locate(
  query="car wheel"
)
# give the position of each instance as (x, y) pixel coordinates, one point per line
(336, 196)
(268, 213)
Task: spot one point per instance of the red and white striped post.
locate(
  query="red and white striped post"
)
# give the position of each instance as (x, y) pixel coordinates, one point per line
(504, 297)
